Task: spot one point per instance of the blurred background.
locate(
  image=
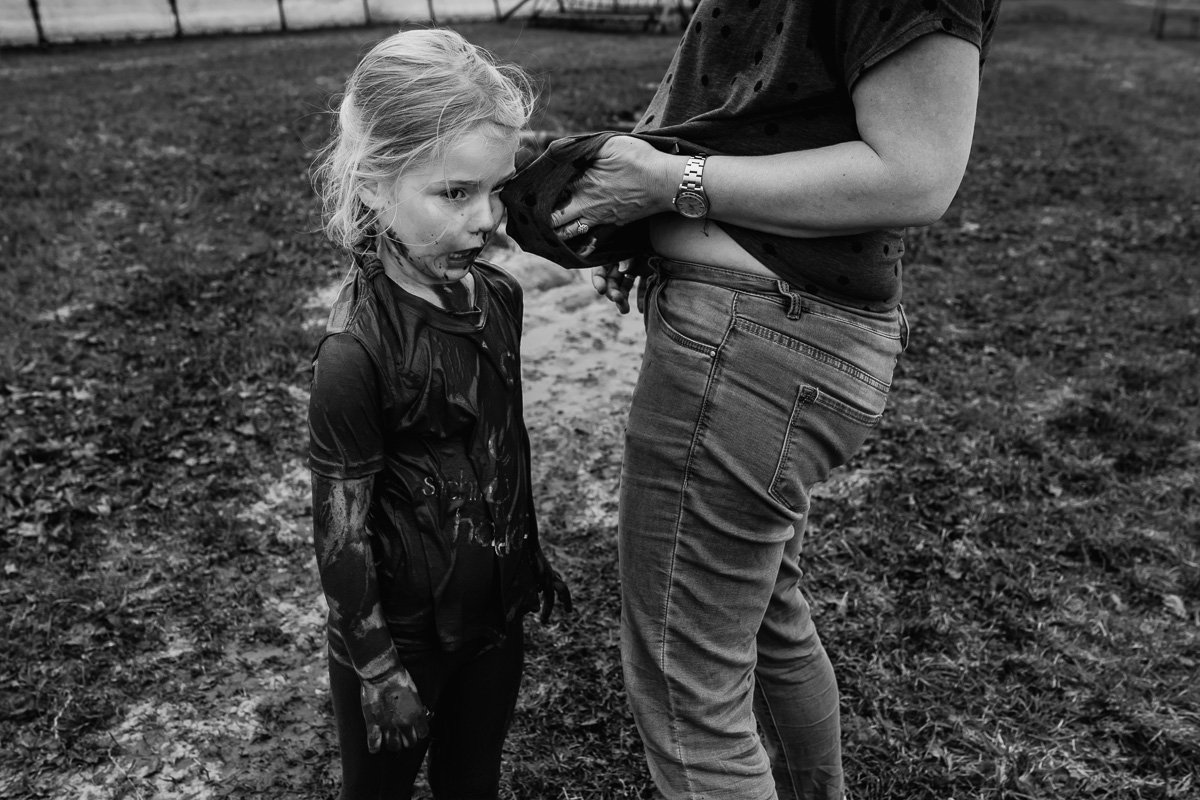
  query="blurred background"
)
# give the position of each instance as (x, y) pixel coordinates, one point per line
(40, 21)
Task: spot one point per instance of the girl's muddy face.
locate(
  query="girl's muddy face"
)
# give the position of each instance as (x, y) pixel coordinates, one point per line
(443, 212)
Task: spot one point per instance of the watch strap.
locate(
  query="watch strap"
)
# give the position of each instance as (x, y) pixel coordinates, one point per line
(693, 174)
(692, 186)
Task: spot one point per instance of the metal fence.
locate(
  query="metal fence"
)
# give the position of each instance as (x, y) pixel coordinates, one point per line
(34, 22)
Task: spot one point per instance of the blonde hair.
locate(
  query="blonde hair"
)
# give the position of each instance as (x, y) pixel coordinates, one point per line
(406, 103)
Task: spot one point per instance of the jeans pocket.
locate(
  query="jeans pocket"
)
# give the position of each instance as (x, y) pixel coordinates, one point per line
(822, 434)
(693, 315)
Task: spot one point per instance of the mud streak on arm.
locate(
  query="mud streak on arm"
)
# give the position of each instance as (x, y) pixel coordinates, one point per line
(348, 576)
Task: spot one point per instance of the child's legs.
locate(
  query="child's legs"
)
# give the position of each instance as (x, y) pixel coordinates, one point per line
(472, 719)
(367, 775)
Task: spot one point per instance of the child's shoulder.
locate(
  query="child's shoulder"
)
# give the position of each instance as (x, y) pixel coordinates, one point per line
(353, 300)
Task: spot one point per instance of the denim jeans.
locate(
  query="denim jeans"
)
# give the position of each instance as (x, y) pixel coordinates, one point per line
(472, 693)
(750, 393)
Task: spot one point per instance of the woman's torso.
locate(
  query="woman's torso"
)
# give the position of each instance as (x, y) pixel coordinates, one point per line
(701, 242)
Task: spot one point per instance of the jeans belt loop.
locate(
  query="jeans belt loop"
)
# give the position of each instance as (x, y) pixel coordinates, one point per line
(650, 269)
(794, 308)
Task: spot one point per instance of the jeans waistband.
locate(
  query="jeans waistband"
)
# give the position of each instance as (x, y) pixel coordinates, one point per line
(738, 281)
(732, 279)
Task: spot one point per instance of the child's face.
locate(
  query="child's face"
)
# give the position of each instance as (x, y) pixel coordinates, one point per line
(443, 212)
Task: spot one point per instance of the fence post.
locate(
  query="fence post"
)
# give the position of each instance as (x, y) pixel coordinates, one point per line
(282, 17)
(175, 16)
(432, 15)
(37, 23)
(504, 17)
(367, 12)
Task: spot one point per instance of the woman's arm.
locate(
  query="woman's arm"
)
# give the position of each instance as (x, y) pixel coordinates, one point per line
(392, 709)
(916, 116)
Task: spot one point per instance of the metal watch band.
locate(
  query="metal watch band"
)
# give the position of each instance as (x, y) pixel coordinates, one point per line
(693, 173)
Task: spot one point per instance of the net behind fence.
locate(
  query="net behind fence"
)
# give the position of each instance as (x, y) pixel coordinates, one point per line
(25, 22)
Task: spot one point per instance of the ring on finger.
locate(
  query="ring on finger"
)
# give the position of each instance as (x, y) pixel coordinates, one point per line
(581, 228)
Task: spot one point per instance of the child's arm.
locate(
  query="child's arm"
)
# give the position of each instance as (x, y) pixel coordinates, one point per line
(392, 708)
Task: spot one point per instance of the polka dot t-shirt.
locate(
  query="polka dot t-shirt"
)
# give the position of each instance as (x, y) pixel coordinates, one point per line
(758, 77)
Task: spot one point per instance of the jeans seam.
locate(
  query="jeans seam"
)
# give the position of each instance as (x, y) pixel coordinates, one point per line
(697, 431)
(783, 751)
(803, 400)
(774, 337)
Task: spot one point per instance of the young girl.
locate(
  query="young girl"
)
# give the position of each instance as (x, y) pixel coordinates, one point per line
(422, 508)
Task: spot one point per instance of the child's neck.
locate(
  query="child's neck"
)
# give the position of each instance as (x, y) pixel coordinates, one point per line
(457, 297)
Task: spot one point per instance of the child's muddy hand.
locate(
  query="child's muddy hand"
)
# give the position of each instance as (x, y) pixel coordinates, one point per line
(395, 716)
(615, 282)
(550, 586)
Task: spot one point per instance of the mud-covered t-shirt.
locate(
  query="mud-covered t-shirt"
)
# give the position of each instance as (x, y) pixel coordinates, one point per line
(429, 403)
(760, 77)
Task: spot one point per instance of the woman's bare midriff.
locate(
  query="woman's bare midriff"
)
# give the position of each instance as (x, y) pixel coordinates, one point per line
(701, 242)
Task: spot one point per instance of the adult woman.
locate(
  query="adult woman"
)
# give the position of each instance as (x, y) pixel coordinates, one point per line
(805, 136)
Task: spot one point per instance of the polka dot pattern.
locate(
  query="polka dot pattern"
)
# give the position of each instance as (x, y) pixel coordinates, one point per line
(780, 73)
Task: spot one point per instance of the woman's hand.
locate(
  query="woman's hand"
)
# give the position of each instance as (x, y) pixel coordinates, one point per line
(628, 180)
(393, 711)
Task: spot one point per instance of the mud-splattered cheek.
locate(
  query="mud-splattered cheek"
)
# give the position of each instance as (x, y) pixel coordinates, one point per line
(425, 257)
(428, 265)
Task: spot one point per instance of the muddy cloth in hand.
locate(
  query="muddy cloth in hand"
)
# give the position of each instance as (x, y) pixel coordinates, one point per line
(545, 184)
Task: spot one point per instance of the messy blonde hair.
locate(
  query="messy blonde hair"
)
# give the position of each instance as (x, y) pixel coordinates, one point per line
(406, 103)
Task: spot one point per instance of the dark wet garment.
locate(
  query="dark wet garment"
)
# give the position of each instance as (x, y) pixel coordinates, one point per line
(429, 403)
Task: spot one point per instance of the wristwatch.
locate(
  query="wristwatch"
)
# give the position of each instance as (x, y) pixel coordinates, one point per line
(690, 199)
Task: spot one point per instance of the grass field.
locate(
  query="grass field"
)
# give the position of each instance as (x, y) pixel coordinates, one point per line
(1007, 576)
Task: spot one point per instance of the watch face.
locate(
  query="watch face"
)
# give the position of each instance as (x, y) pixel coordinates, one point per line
(691, 204)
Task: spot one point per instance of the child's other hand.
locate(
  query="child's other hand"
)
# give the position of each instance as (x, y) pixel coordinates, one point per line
(550, 586)
(393, 711)
(616, 282)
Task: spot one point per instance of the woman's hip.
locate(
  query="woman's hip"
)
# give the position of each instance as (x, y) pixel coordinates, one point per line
(752, 388)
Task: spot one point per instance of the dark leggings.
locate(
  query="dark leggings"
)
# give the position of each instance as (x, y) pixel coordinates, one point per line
(472, 693)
